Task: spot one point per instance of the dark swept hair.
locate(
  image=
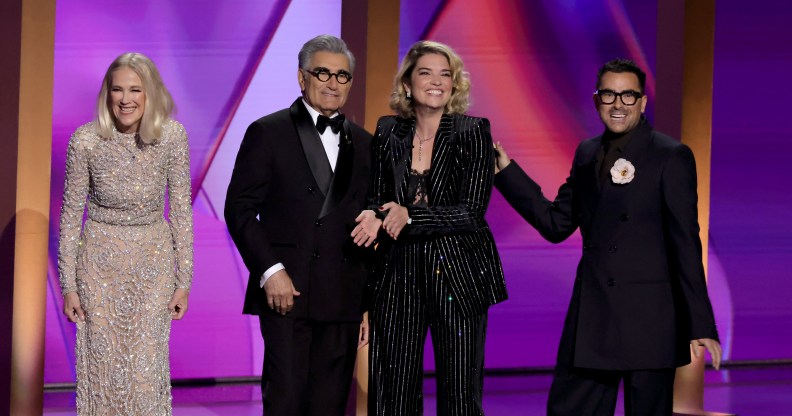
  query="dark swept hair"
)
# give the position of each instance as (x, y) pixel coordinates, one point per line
(620, 65)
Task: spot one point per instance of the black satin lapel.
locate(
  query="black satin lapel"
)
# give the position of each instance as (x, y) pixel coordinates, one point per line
(401, 150)
(343, 171)
(443, 144)
(312, 146)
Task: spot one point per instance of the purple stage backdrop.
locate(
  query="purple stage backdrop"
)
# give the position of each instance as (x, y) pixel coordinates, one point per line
(533, 65)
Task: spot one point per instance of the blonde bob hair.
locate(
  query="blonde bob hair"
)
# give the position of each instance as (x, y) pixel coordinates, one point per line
(159, 104)
(460, 93)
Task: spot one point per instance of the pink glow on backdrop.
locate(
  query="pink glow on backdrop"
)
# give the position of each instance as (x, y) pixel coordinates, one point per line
(533, 66)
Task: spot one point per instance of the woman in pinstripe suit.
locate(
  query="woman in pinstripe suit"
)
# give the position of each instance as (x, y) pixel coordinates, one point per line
(433, 173)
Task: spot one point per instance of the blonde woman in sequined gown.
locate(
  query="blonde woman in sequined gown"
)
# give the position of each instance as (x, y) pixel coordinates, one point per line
(126, 272)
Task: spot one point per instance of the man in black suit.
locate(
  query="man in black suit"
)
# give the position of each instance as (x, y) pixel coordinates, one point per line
(300, 179)
(640, 298)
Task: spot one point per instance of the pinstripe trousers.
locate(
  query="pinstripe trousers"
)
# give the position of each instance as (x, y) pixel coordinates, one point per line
(409, 298)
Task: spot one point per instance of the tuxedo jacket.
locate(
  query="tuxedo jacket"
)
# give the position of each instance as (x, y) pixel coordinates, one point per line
(276, 211)
(459, 189)
(640, 294)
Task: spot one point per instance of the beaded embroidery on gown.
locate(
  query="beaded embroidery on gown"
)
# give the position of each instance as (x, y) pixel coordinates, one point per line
(125, 263)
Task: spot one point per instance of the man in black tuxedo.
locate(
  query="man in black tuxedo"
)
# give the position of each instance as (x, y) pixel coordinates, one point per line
(300, 180)
(640, 298)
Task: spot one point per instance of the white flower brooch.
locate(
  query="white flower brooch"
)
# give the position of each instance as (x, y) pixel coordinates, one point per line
(622, 172)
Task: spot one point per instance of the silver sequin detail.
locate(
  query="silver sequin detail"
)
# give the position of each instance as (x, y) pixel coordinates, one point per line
(125, 263)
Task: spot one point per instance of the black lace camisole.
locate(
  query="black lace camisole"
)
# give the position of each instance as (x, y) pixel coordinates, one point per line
(417, 189)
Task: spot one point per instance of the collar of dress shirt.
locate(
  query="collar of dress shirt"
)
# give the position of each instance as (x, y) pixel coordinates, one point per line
(315, 114)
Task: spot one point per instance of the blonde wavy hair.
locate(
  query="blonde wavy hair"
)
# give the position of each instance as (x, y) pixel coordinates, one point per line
(460, 79)
(159, 103)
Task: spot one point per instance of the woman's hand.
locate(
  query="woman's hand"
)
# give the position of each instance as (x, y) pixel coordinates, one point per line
(368, 226)
(178, 303)
(501, 158)
(363, 336)
(395, 220)
(72, 308)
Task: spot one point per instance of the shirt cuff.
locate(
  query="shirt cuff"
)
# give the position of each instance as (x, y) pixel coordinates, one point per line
(272, 270)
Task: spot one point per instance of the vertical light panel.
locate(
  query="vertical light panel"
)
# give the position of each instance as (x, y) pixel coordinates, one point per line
(685, 53)
(32, 206)
(11, 33)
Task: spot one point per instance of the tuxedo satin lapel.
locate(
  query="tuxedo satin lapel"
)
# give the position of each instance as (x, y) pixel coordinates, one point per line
(343, 171)
(312, 146)
(443, 145)
(401, 150)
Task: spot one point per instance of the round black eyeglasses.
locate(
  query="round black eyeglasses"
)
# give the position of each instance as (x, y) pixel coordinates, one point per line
(324, 75)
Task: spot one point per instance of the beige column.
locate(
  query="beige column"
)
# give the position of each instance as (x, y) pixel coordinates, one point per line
(685, 51)
(28, 50)
(371, 30)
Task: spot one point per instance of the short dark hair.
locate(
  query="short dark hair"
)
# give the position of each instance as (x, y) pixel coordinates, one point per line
(620, 65)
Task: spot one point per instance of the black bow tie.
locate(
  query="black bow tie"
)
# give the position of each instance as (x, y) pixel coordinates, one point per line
(335, 123)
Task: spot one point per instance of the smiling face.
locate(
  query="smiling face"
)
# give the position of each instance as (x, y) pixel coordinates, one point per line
(431, 83)
(127, 99)
(618, 117)
(328, 96)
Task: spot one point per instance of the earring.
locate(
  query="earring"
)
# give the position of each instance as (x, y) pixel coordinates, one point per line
(409, 96)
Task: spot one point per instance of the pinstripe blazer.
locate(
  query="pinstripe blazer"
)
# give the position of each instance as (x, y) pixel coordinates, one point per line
(459, 189)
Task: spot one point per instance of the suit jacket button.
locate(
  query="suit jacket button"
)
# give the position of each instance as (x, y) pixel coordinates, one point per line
(586, 246)
(624, 217)
(315, 256)
(612, 249)
(611, 283)
(318, 223)
(310, 189)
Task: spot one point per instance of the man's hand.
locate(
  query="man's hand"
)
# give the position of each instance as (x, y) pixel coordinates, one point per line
(280, 292)
(363, 337)
(395, 220)
(712, 346)
(178, 303)
(72, 308)
(368, 226)
(501, 158)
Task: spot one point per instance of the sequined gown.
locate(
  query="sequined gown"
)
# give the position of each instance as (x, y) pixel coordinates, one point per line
(125, 263)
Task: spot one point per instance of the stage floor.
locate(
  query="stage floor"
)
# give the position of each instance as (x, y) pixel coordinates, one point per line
(744, 391)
